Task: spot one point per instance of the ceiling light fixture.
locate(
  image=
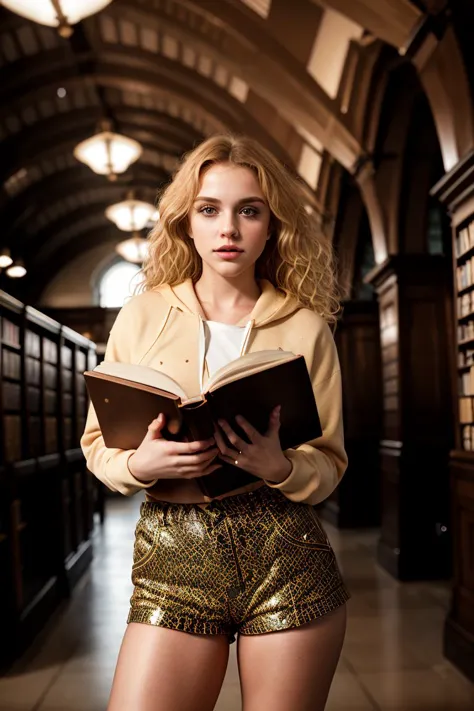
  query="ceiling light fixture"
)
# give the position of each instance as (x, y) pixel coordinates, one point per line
(130, 215)
(5, 258)
(56, 13)
(133, 250)
(108, 153)
(17, 270)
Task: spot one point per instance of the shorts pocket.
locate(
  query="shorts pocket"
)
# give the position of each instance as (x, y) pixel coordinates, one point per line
(147, 539)
(299, 525)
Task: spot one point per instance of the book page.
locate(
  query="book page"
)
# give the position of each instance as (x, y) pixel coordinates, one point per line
(247, 365)
(141, 374)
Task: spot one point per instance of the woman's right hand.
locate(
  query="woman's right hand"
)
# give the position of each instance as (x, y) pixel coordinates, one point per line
(158, 458)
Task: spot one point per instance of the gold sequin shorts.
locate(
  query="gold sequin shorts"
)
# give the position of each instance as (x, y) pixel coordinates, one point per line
(251, 563)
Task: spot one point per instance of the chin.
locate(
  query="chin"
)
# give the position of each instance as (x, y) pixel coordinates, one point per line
(228, 268)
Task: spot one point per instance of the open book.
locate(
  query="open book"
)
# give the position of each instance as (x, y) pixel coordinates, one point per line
(127, 397)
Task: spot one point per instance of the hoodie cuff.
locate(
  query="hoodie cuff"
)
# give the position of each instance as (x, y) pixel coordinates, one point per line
(121, 476)
(298, 485)
(281, 485)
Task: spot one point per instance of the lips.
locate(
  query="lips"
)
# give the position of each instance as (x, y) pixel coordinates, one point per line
(229, 253)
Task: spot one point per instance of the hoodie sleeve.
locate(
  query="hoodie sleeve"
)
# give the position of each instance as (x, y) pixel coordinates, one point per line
(318, 466)
(107, 464)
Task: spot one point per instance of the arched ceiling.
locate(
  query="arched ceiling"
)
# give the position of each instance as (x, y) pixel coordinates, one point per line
(169, 73)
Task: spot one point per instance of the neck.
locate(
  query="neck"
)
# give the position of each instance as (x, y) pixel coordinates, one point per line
(215, 290)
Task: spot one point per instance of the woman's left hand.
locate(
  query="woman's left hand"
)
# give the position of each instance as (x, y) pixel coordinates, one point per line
(264, 457)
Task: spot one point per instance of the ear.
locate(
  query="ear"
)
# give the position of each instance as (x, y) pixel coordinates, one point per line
(271, 226)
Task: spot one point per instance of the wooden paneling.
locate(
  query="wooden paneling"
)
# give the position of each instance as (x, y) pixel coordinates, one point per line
(418, 433)
(459, 628)
(356, 501)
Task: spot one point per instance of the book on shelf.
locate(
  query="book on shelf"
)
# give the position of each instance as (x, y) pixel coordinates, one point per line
(467, 437)
(127, 397)
(466, 381)
(465, 275)
(466, 410)
(465, 239)
(466, 358)
(465, 305)
(466, 331)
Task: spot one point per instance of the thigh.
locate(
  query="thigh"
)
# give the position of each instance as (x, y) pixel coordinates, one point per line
(291, 670)
(159, 669)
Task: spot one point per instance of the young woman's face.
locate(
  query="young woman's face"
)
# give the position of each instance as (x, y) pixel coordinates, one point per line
(229, 221)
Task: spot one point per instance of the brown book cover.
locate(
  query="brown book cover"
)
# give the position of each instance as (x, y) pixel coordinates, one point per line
(251, 386)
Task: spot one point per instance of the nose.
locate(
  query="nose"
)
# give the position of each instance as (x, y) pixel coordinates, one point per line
(228, 227)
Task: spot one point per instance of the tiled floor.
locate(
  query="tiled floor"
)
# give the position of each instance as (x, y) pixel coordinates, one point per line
(392, 658)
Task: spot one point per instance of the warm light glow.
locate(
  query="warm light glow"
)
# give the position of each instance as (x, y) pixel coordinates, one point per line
(5, 258)
(16, 271)
(118, 284)
(130, 215)
(56, 13)
(153, 220)
(108, 153)
(134, 250)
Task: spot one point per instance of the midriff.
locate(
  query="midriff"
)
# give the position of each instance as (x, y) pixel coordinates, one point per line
(188, 492)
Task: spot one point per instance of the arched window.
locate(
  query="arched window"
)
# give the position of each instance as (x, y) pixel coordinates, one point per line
(117, 284)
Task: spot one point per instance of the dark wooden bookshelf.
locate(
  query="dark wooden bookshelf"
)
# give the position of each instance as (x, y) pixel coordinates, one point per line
(456, 191)
(463, 250)
(47, 497)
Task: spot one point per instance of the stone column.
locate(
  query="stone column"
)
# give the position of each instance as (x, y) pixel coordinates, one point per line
(417, 429)
(356, 501)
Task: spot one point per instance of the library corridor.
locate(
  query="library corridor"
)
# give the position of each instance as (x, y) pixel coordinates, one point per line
(392, 658)
(360, 220)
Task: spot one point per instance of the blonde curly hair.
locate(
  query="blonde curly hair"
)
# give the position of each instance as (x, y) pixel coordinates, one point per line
(298, 259)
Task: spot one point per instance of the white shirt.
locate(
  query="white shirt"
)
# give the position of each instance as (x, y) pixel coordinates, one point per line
(223, 343)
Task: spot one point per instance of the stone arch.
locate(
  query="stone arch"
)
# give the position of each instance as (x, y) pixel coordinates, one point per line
(444, 78)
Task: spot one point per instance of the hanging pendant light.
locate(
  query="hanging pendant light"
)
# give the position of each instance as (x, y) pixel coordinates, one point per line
(133, 250)
(153, 219)
(130, 215)
(56, 13)
(108, 153)
(5, 258)
(16, 270)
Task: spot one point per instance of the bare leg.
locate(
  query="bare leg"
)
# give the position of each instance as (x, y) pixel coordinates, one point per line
(291, 670)
(165, 670)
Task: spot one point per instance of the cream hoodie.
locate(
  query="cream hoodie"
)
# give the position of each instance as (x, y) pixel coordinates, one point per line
(162, 329)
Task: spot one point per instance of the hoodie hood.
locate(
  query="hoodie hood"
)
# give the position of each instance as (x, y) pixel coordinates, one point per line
(270, 306)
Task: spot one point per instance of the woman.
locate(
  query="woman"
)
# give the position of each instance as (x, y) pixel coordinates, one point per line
(235, 265)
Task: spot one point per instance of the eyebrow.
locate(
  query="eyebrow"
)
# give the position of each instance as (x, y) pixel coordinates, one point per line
(202, 198)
